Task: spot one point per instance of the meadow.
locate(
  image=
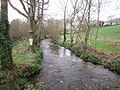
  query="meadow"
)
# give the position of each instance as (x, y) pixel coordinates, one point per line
(109, 33)
(108, 40)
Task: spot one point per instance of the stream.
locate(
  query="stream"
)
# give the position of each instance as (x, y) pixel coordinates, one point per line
(62, 70)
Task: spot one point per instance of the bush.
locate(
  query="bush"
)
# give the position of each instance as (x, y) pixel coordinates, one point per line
(113, 66)
(53, 29)
(91, 58)
(21, 81)
(18, 29)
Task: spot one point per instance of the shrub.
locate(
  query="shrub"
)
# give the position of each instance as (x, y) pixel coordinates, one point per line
(21, 82)
(52, 29)
(18, 29)
(113, 66)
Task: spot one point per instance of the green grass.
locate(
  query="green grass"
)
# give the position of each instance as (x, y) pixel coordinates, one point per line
(21, 54)
(105, 41)
(107, 33)
(4, 87)
(23, 57)
(106, 47)
(106, 38)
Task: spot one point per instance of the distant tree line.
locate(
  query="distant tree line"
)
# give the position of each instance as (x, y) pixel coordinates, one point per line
(112, 21)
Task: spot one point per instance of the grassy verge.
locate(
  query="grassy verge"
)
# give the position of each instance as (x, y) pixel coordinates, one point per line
(27, 64)
(106, 47)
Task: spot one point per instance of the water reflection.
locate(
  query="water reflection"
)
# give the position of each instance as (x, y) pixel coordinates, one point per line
(61, 51)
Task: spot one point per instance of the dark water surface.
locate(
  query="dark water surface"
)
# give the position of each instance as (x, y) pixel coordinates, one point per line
(61, 70)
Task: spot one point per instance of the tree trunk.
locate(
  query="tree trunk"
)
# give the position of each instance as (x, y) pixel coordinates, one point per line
(97, 23)
(32, 35)
(32, 25)
(5, 42)
(65, 25)
(88, 23)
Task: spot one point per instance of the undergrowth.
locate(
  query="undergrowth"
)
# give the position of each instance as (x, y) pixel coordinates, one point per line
(27, 64)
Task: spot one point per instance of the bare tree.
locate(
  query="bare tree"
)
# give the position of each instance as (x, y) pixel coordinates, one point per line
(64, 9)
(18, 29)
(98, 23)
(5, 42)
(34, 14)
(53, 29)
(89, 2)
(81, 19)
(73, 19)
(110, 19)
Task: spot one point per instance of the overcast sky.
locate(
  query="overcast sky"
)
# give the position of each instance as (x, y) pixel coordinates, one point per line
(54, 10)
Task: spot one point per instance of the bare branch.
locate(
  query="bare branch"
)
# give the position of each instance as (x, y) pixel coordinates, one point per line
(17, 9)
(27, 3)
(46, 2)
(24, 6)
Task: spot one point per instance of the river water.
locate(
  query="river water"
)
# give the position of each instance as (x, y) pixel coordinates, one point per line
(62, 70)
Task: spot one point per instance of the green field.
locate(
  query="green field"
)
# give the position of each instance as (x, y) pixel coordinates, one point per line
(106, 41)
(107, 38)
(109, 33)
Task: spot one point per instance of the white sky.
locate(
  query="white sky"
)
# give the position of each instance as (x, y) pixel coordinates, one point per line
(55, 12)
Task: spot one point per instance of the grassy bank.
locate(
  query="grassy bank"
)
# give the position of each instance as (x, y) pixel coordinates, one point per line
(99, 57)
(107, 49)
(26, 64)
(101, 46)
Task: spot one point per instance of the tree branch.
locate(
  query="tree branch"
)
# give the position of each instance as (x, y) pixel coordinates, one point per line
(24, 6)
(46, 2)
(17, 9)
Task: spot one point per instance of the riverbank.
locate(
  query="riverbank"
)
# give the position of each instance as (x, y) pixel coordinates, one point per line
(109, 61)
(26, 64)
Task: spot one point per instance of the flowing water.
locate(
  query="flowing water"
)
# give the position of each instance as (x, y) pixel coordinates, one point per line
(62, 70)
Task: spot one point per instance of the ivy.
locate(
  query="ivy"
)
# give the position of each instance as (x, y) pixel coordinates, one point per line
(5, 43)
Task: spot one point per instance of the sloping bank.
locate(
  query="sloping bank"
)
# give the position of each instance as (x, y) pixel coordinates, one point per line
(26, 64)
(98, 58)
